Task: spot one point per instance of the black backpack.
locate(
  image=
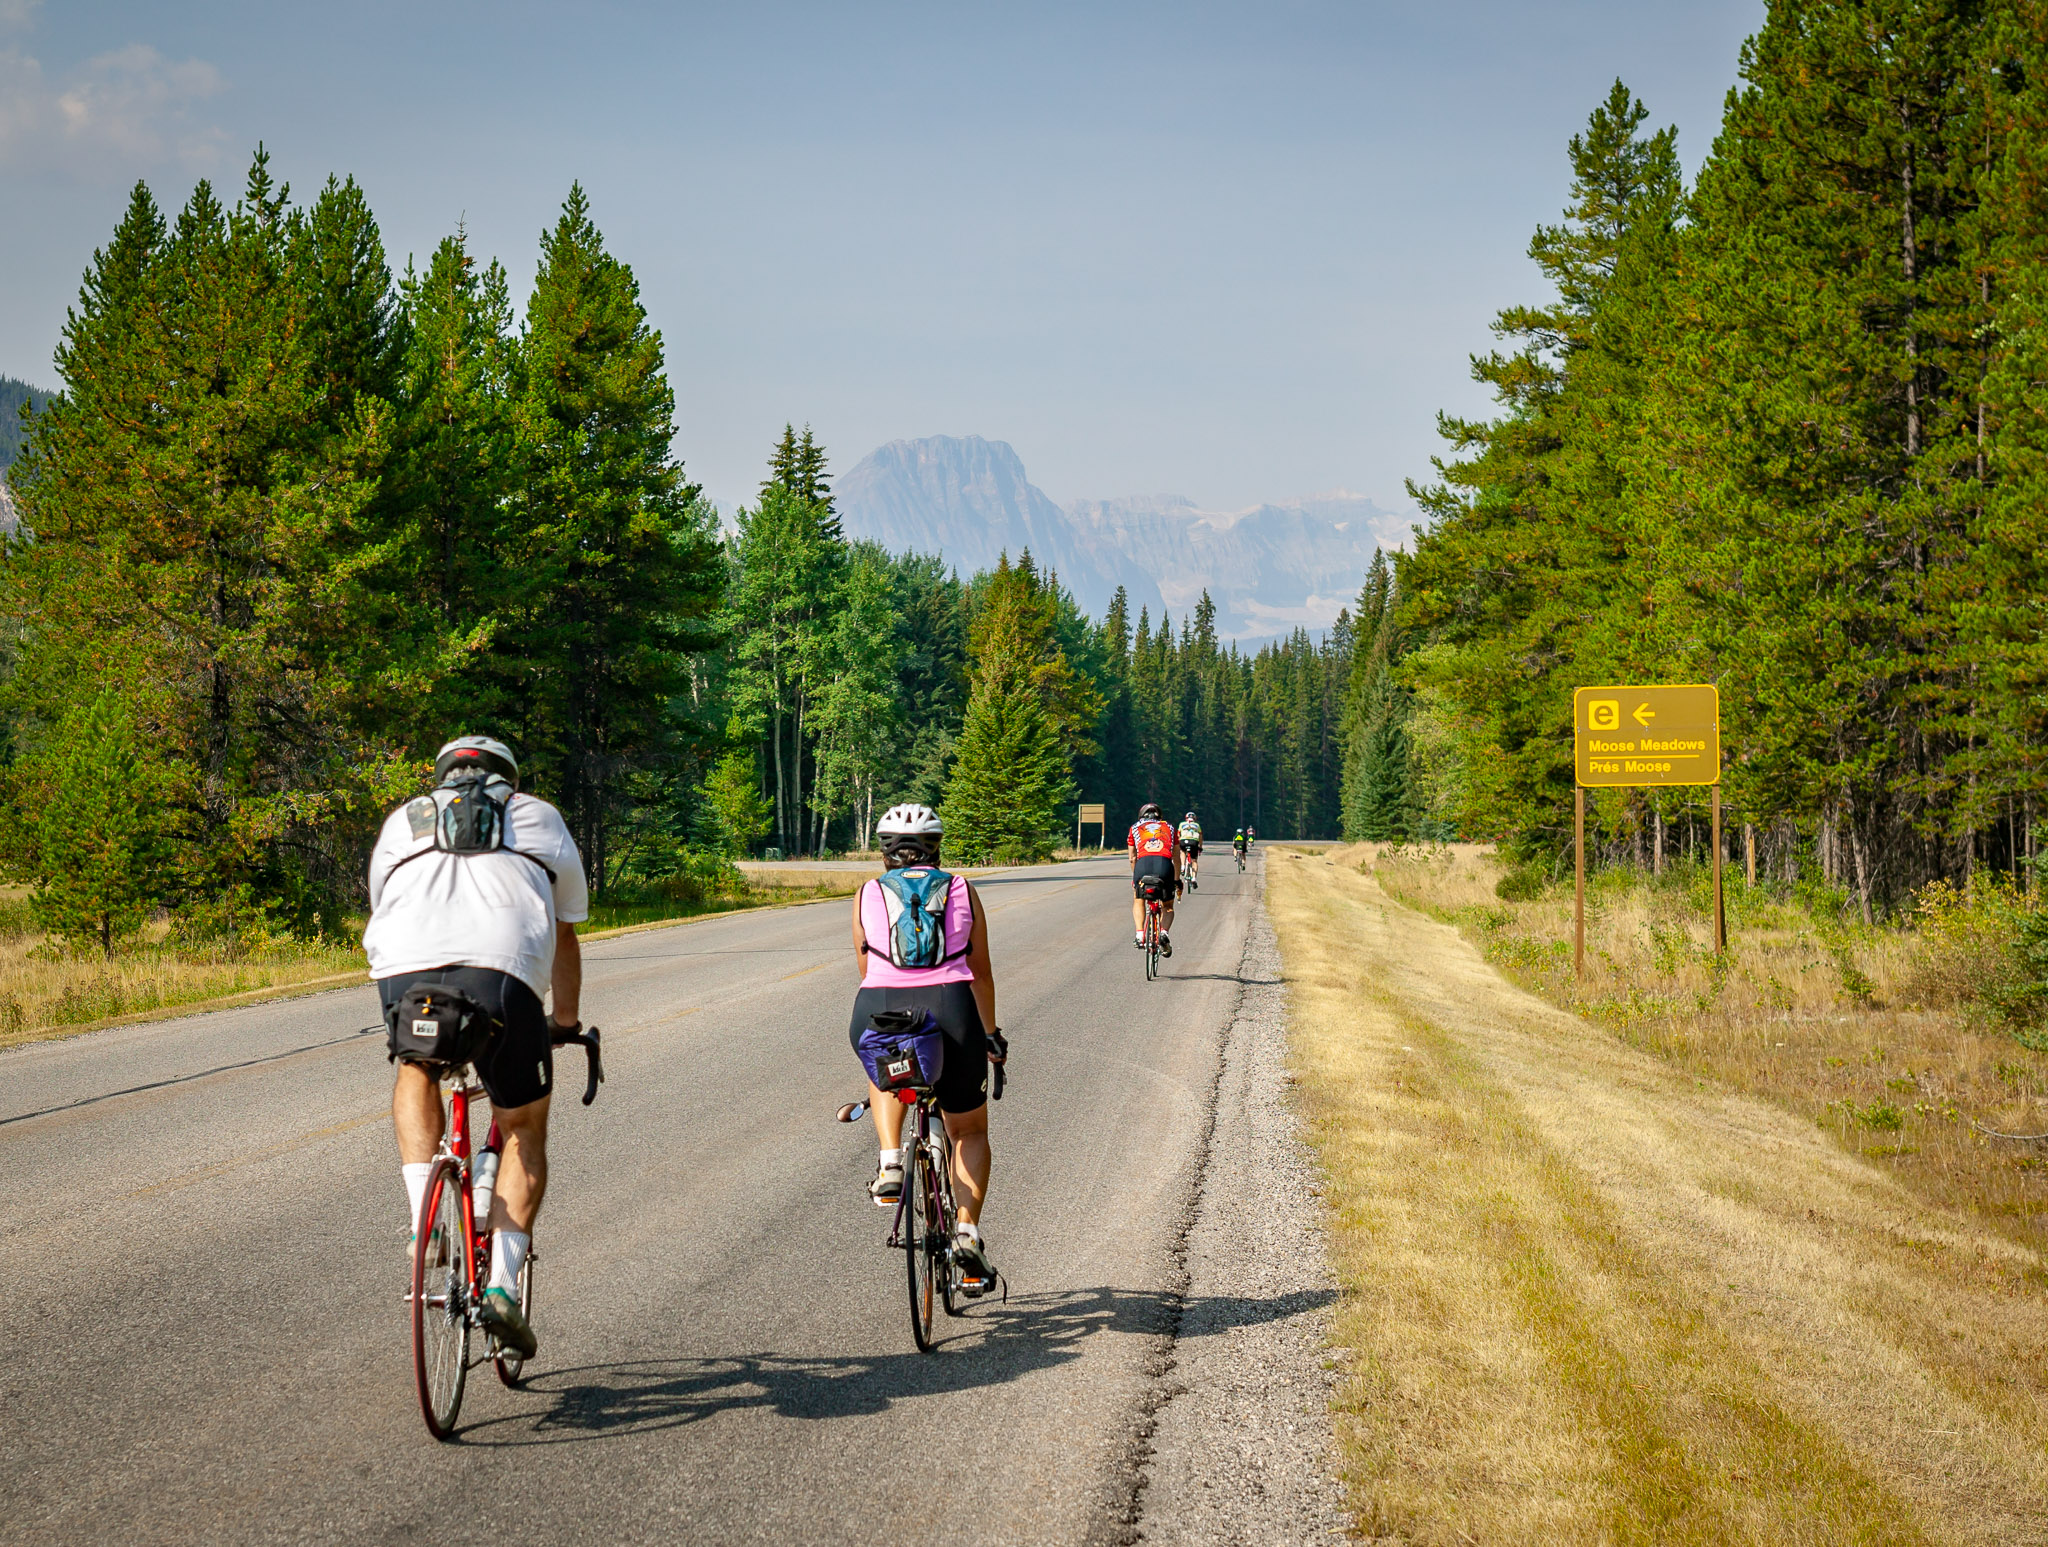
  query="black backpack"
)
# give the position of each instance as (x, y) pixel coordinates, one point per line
(469, 813)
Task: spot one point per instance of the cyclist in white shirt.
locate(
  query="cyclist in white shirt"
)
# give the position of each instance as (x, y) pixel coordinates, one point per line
(497, 925)
(1191, 846)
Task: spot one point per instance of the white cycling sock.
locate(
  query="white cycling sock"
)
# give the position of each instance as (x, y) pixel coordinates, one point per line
(508, 1256)
(972, 1232)
(892, 1158)
(415, 1189)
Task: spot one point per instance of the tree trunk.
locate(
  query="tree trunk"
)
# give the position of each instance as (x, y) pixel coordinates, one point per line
(1749, 852)
(1862, 869)
(781, 801)
(1657, 845)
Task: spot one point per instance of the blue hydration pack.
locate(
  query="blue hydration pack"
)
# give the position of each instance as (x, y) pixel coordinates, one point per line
(915, 900)
(903, 1050)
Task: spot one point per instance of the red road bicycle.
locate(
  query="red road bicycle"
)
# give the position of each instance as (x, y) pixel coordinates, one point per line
(451, 1261)
(1152, 889)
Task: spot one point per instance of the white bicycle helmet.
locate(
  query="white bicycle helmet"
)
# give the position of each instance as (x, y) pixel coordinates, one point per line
(479, 752)
(910, 821)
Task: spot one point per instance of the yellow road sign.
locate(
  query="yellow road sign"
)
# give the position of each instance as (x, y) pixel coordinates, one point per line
(1633, 736)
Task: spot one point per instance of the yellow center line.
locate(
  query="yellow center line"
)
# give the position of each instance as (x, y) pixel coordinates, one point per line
(226, 1166)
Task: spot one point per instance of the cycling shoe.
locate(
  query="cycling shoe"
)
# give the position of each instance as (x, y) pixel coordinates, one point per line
(977, 1273)
(503, 1319)
(887, 1186)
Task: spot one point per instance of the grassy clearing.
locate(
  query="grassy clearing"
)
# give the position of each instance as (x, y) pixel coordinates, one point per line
(1592, 1296)
(1877, 1035)
(46, 991)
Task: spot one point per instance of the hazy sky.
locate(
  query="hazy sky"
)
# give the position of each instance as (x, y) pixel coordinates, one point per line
(1236, 251)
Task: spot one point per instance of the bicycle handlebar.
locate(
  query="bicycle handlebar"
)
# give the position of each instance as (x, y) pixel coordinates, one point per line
(998, 1054)
(590, 1040)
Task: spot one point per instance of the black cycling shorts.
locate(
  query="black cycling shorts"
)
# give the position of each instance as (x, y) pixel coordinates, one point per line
(1152, 865)
(963, 1081)
(517, 1065)
(1192, 849)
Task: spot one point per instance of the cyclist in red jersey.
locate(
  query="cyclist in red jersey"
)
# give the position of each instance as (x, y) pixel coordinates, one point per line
(1155, 851)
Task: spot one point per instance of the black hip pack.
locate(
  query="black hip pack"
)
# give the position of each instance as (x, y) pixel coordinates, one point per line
(433, 1023)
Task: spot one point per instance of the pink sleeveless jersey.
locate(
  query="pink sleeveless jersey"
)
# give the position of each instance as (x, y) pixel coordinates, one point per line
(874, 923)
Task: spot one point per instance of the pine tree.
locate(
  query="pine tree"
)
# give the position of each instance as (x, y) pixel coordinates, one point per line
(96, 816)
(798, 465)
(1830, 383)
(1522, 587)
(615, 547)
(448, 586)
(737, 816)
(1007, 798)
(195, 508)
(1006, 802)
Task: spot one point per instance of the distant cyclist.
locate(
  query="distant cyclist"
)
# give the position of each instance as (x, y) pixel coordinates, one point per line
(960, 993)
(1240, 844)
(1190, 847)
(484, 914)
(1155, 850)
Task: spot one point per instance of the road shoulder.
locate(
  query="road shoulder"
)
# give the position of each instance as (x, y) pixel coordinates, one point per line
(1242, 1449)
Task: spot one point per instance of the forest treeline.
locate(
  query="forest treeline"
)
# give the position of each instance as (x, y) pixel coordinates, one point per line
(290, 521)
(1780, 430)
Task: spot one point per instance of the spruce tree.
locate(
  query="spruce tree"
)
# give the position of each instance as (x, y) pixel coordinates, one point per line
(615, 548)
(96, 811)
(1007, 798)
(196, 511)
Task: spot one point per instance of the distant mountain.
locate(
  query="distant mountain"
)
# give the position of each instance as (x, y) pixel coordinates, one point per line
(12, 395)
(1269, 569)
(969, 500)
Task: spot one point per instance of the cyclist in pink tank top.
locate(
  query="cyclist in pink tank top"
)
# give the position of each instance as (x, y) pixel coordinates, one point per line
(959, 990)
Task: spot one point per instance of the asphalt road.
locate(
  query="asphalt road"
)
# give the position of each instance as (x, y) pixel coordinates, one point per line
(203, 1335)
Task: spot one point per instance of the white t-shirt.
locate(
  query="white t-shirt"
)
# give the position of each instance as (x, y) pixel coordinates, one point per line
(474, 910)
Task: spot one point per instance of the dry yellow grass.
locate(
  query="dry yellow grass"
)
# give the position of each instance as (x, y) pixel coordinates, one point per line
(1593, 1297)
(1872, 1033)
(49, 993)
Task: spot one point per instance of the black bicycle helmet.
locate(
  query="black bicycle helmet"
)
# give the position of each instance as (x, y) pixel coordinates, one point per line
(1149, 812)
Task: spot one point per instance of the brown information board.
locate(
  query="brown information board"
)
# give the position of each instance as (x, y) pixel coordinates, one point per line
(1630, 737)
(1091, 815)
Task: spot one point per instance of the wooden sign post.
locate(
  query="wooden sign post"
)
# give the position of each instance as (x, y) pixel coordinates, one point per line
(1082, 817)
(1643, 738)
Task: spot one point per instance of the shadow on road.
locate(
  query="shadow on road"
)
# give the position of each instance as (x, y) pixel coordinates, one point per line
(993, 1344)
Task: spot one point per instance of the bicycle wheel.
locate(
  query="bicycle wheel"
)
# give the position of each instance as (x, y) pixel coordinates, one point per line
(508, 1364)
(1151, 944)
(919, 1242)
(948, 1216)
(441, 1276)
